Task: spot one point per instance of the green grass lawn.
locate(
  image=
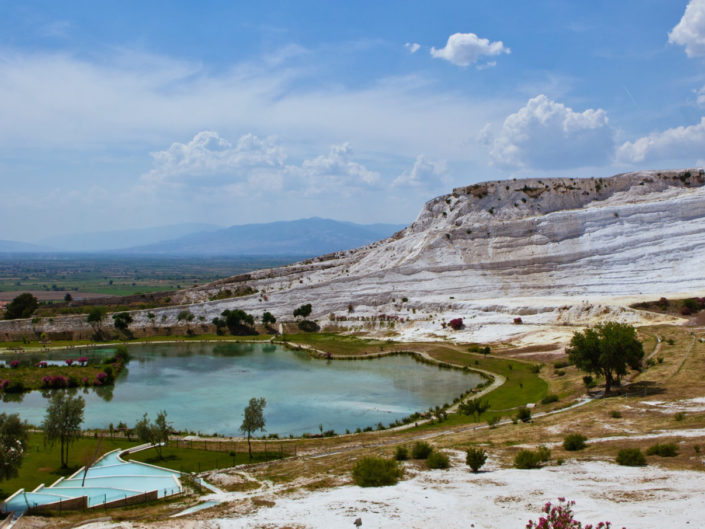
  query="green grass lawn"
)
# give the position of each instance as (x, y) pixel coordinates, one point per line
(197, 460)
(41, 463)
(336, 344)
(522, 386)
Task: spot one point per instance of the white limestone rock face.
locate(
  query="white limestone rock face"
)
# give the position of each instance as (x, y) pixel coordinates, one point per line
(555, 252)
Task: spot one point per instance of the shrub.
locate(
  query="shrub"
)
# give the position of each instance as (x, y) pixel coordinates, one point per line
(475, 458)
(308, 326)
(456, 323)
(523, 414)
(548, 399)
(616, 414)
(561, 364)
(492, 421)
(401, 453)
(421, 450)
(679, 416)
(437, 460)
(663, 450)
(574, 441)
(631, 457)
(376, 472)
(527, 459)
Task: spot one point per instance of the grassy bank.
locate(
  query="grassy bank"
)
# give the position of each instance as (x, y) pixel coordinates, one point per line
(197, 460)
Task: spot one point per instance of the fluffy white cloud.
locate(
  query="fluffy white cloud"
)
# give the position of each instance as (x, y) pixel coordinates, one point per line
(335, 170)
(413, 47)
(545, 134)
(210, 159)
(465, 49)
(425, 172)
(211, 163)
(683, 143)
(690, 31)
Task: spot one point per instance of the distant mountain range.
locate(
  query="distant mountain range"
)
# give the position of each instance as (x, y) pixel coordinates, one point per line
(305, 237)
(21, 247)
(101, 241)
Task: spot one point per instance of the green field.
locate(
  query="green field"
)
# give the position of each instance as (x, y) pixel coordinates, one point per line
(59, 274)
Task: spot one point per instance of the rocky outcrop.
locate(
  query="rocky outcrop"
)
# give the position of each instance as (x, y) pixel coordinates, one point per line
(554, 251)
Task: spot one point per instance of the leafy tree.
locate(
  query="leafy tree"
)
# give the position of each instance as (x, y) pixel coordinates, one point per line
(253, 420)
(21, 307)
(156, 433)
(13, 438)
(475, 458)
(63, 421)
(68, 298)
(606, 350)
(268, 318)
(304, 311)
(122, 320)
(95, 316)
(238, 321)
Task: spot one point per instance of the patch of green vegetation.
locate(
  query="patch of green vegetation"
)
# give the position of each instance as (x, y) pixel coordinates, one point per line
(336, 344)
(41, 463)
(197, 460)
(522, 384)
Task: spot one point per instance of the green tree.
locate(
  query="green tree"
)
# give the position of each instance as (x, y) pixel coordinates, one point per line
(268, 318)
(156, 433)
(304, 311)
(21, 307)
(13, 439)
(238, 321)
(253, 420)
(122, 320)
(63, 421)
(68, 298)
(607, 350)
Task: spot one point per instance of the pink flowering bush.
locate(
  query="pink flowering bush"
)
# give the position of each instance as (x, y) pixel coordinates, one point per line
(41, 364)
(69, 361)
(82, 360)
(14, 364)
(55, 382)
(560, 516)
(4, 383)
(456, 323)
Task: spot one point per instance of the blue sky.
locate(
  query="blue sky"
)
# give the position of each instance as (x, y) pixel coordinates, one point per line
(135, 114)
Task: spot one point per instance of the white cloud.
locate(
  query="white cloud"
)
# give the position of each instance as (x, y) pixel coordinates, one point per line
(412, 47)
(465, 49)
(683, 143)
(690, 31)
(335, 170)
(545, 134)
(138, 100)
(701, 97)
(425, 172)
(211, 164)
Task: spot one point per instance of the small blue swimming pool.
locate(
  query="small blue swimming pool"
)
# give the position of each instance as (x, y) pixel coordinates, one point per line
(110, 479)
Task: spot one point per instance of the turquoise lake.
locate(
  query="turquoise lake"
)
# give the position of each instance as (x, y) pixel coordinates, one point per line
(204, 387)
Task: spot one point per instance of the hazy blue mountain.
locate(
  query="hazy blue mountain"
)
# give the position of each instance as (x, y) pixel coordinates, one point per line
(119, 239)
(305, 237)
(22, 247)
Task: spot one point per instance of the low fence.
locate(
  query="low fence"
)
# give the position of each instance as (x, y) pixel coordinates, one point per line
(283, 449)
